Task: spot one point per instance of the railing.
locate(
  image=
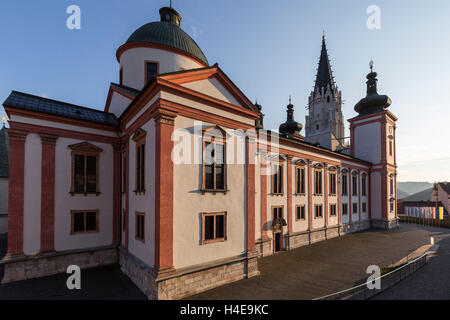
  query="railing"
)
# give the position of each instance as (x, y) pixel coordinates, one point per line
(362, 292)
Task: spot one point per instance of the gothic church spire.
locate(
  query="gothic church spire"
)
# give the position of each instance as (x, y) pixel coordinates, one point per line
(324, 75)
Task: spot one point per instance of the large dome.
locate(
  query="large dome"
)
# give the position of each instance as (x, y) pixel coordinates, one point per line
(168, 32)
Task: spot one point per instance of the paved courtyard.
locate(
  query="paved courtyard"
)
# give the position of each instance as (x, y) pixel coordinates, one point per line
(325, 267)
(304, 273)
(432, 281)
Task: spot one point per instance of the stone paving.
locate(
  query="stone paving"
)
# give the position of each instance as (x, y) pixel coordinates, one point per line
(432, 281)
(305, 273)
(325, 267)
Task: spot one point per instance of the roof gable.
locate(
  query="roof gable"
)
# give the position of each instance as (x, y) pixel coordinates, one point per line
(119, 97)
(211, 81)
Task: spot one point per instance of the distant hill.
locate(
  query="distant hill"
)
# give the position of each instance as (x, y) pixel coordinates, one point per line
(401, 194)
(411, 188)
(424, 195)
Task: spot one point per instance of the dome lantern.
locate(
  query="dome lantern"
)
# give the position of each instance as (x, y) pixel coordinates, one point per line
(170, 15)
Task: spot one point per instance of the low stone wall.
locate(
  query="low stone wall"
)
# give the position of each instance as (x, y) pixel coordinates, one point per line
(29, 267)
(304, 238)
(189, 281)
(264, 247)
(385, 224)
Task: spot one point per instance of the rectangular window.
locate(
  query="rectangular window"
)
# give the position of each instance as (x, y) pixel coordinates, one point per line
(277, 179)
(300, 180)
(152, 71)
(391, 186)
(318, 182)
(355, 208)
(355, 185)
(84, 221)
(140, 167)
(390, 147)
(364, 207)
(85, 168)
(214, 227)
(332, 183)
(363, 186)
(344, 209)
(391, 204)
(332, 210)
(214, 166)
(277, 213)
(140, 226)
(300, 213)
(318, 211)
(344, 185)
(121, 76)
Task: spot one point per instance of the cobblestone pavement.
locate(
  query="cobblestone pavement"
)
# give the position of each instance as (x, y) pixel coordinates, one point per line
(432, 281)
(325, 267)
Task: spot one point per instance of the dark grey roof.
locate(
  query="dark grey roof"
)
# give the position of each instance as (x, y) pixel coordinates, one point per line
(168, 34)
(29, 102)
(4, 153)
(324, 75)
(126, 89)
(445, 186)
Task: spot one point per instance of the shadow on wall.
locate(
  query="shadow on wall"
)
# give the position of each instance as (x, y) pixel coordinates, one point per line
(3, 247)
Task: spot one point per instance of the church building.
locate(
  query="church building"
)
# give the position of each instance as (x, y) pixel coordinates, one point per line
(177, 179)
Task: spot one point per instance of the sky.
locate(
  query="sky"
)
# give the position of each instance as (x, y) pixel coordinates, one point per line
(270, 49)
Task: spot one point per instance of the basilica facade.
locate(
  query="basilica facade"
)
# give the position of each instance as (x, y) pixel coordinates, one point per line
(91, 188)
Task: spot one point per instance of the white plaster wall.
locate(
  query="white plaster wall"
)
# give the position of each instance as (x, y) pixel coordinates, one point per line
(32, 195)
(212, 87)
(133, 63)
(64, 202)
(367, 139)
(375, 188)
(143, 203)
(118, 104)
(333, 220)
(190, 203)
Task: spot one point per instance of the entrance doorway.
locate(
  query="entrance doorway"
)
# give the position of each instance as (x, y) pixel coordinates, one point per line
(277, 240)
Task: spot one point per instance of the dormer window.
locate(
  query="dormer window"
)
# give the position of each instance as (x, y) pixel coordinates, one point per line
(151, 70)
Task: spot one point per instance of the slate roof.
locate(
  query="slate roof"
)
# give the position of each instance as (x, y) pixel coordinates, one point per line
(4, 153)
(126, 89)
(324, 75)
(445, 186)
(29, 102)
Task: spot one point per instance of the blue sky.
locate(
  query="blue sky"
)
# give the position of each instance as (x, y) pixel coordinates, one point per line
(270, 49)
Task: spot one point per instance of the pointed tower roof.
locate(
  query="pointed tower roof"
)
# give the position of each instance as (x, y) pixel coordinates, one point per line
(324, 75)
